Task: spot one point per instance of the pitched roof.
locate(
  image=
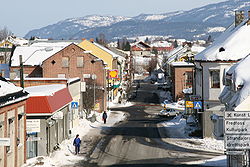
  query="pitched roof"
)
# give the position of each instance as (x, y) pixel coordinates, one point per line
(36, 53)
(54, 98)
(232, 45)
(9, 93)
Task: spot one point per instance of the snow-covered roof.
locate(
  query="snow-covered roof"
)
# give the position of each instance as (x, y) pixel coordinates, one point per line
(44, 90)
(114, 55)
(8, 88)
(197, 49)
(17, 40)
(9, 93)
(233, 44)
(241, 82)
(161, 44)
(36, 53)
(182, 63)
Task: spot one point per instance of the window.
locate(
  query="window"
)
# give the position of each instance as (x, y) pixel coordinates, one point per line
(215, 78)
(79, 61)
(65, 61)
(188, 79)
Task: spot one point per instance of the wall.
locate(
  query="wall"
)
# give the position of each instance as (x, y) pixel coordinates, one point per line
(178, 79)
(16, 128)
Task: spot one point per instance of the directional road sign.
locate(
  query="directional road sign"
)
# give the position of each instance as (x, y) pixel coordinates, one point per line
(197, 105)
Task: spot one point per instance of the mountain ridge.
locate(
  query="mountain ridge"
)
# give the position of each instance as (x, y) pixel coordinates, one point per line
(196, 23)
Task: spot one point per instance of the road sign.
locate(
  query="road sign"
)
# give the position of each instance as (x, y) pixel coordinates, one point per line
(189, 104)
(74, 105)
(237, 142)
(237, 115)
(4, 141)
(237, 126)
(197, 105)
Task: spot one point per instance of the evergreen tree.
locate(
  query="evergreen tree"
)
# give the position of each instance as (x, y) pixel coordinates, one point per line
(127, 46)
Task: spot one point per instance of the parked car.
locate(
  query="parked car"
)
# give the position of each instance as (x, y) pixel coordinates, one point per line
(169, 112)
(163, 104)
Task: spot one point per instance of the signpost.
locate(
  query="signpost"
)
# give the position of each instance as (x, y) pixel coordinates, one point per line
(237, 130)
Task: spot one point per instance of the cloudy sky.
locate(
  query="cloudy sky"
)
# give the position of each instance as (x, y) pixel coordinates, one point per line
(21, 16)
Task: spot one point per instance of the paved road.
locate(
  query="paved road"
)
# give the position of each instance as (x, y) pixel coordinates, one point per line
(137, 141)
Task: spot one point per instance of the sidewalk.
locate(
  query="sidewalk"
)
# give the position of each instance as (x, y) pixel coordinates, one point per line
(87, 132)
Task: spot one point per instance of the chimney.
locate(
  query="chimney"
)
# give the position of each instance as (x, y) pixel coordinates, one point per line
(91, 40)
(248, 21)
(239, 17)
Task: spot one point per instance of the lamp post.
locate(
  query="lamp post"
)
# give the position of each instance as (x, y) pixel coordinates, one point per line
(47, 49)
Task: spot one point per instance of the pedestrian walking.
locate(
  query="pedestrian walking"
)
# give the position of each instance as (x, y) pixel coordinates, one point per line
(77, 143)
(104, 117)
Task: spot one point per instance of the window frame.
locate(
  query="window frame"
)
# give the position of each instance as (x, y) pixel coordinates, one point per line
(214, 84)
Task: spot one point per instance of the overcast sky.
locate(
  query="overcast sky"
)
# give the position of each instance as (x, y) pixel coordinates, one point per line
(21, 16)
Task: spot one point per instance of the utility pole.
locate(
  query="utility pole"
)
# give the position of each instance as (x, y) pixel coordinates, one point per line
(21, 71)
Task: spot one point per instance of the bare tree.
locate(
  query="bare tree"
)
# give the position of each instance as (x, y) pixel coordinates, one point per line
(151, 65)
(88, 96)
(4, 33)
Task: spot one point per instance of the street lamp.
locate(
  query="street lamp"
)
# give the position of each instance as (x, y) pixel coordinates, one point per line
(47, 49)
(94, 77)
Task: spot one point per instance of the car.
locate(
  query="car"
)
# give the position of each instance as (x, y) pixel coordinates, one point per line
(163, 104)
(168, 112)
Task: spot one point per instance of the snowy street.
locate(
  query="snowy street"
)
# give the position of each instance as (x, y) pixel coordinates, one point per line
(136, 135)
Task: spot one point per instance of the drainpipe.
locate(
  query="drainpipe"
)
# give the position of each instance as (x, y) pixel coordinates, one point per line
(202, 99)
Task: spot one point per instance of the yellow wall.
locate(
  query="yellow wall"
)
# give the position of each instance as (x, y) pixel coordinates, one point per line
(98, 52)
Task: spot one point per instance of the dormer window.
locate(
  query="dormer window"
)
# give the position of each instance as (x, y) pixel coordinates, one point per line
(239, 87)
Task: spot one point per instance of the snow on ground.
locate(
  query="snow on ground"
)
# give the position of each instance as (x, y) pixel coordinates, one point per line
(179, 131)
(65, 155)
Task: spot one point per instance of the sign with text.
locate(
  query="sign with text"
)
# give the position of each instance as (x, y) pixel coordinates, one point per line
(33, 125)
(237, 130)
(238, 142)
(237, 115)
(237, 126)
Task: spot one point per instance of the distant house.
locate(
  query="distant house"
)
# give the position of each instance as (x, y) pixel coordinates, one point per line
(12, 124)
(141, 49)
(162, 47)
(182, 78)
(48, 118)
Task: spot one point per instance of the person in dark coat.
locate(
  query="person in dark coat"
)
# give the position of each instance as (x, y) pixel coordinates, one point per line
(104, 117)
(77, 143)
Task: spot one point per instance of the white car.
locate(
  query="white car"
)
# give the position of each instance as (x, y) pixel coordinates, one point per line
(169, 112)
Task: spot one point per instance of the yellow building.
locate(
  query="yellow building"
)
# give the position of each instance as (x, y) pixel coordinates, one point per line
(101, 52)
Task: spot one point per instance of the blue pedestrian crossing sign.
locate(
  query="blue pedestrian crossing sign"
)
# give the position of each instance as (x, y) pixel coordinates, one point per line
(74, 105)
(197, 105)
